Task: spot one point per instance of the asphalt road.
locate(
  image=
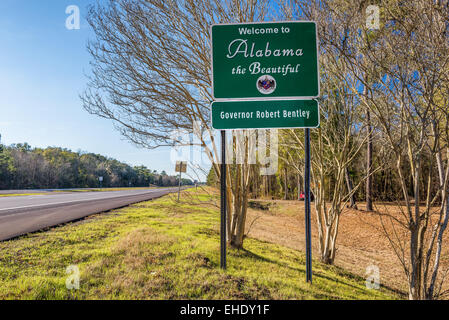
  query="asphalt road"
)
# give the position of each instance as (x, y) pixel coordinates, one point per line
(24, 214)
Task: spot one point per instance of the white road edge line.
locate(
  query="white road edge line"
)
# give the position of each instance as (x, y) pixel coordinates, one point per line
(52, 203)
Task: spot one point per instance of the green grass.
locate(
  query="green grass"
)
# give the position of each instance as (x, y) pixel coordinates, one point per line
(163, 250)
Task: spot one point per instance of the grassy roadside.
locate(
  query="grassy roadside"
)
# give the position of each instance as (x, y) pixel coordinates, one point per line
(20, 194)
(163, 250)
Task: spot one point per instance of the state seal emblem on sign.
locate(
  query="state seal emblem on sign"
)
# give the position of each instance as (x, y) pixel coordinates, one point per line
(266, 84)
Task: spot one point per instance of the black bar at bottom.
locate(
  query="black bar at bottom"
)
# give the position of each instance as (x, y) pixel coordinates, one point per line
(307, 206)
(223, 201)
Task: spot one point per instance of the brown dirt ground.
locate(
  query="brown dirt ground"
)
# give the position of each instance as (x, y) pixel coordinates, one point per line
(361, 240)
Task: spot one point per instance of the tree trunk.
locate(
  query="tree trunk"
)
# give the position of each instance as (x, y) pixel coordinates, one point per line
(285, 184)
(299, 187)
(238, 243)
(445, 208)
(263, 192)
(415, 264)
(369, 163)
(348, 179)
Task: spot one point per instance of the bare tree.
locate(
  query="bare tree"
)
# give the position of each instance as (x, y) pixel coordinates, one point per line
(411, 52)
(337, 142)
(334, 146)
(151, 76)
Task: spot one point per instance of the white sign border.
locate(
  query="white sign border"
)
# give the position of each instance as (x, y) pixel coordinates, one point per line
(246, 100)
(264, 98)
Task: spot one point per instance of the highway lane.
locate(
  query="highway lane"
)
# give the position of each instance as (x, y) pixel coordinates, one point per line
(24, 214)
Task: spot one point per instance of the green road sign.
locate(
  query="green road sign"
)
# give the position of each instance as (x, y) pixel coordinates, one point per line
(265, 60)
(265, 114)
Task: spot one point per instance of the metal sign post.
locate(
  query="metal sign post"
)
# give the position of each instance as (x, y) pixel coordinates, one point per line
(307, 206)
(179, 187)
(223, 201)
(181, 166)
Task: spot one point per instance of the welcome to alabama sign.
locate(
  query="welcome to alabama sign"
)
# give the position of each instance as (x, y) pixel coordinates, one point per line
(265, 60)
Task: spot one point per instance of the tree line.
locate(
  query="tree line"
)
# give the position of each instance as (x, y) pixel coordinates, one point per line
(24, 167)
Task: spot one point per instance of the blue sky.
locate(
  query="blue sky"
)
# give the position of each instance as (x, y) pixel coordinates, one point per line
(42, 73)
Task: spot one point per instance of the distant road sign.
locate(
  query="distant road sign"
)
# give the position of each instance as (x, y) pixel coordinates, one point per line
(181, 166)
(265, 60)
(265, 114)
(100, 179)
